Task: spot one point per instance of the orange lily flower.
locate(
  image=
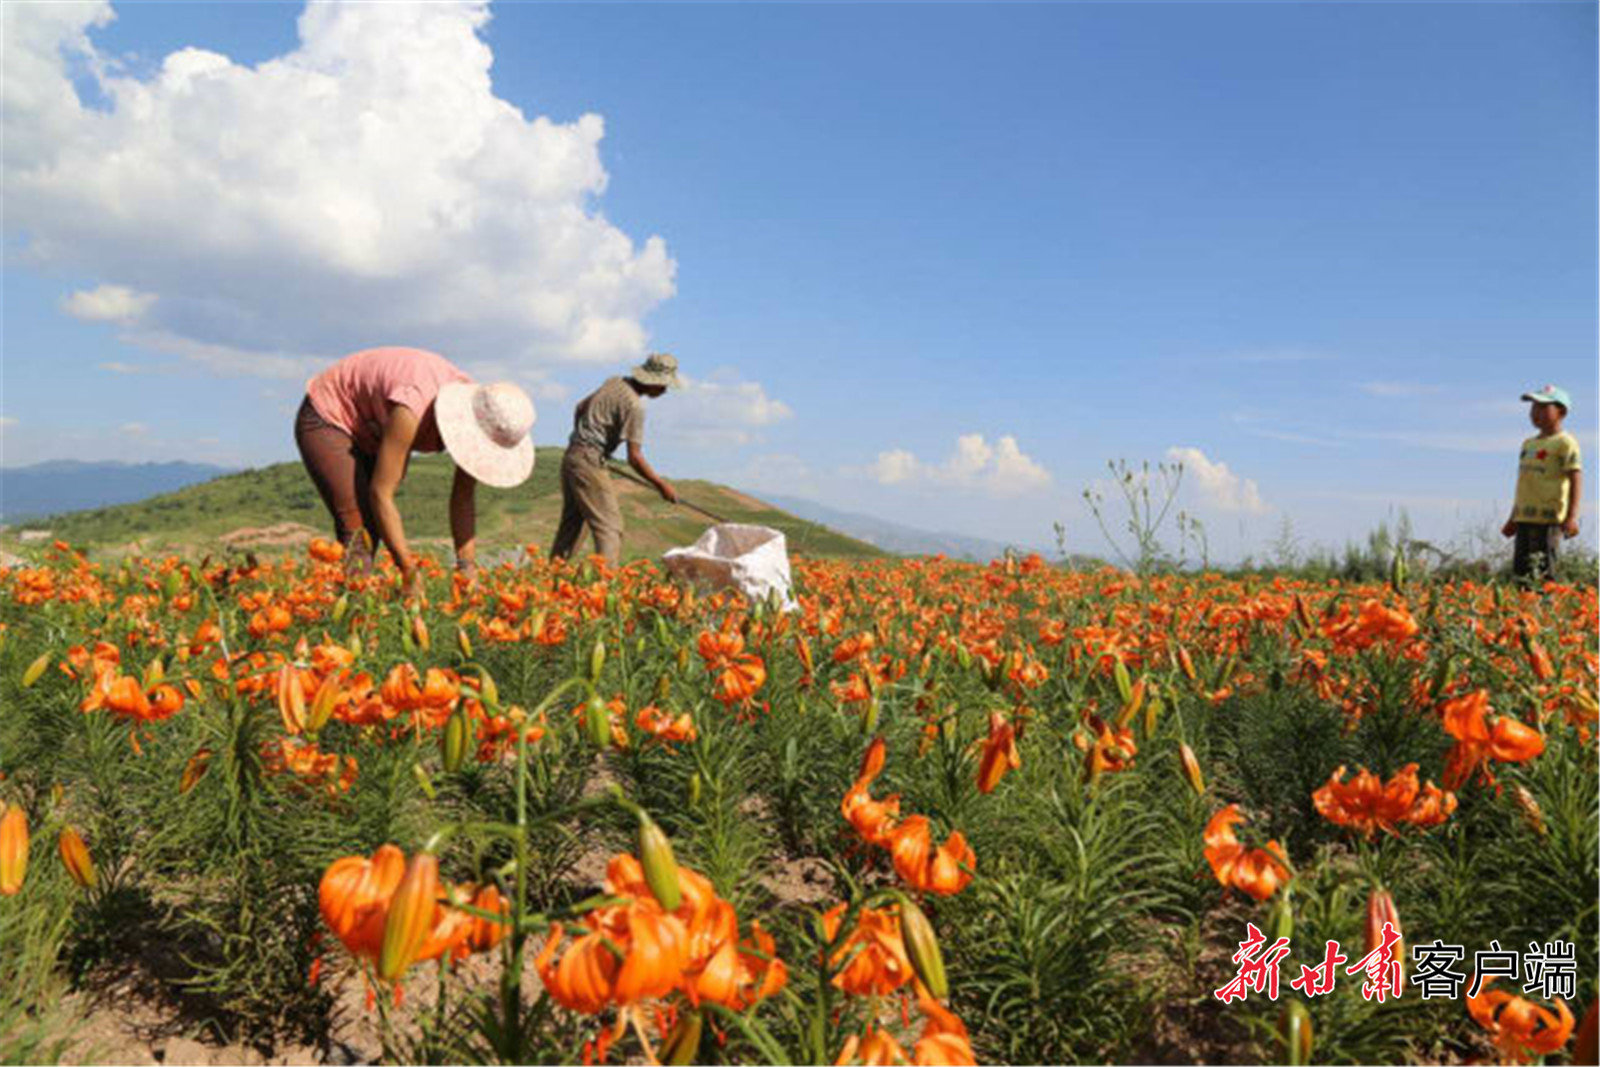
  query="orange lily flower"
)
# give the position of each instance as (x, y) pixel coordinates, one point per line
(1368, 805)
(877, 1049)
(945, 870)
(1257, 872)
(1507, 739)
(944, 1041)
(880, 965)
(1520, 1028)
(999, 753)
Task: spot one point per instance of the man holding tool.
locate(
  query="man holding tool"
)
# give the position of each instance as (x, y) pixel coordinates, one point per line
(610, 415)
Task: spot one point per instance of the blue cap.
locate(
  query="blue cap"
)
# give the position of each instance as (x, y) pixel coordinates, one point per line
(1550, 394)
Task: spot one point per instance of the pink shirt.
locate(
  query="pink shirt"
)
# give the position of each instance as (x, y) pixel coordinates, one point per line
(355, 393)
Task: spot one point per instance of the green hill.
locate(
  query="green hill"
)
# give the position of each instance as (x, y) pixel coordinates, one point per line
(277, 507)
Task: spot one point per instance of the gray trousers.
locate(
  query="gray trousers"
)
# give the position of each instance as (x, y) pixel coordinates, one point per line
(587, 499)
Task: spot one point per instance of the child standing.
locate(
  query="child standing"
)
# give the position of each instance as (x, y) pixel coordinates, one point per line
(1549, 487)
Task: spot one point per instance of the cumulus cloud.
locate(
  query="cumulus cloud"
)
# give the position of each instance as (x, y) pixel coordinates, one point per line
(367, 187)
(1001, 468)
(108, 303)
(1219, 486)
(717, 412)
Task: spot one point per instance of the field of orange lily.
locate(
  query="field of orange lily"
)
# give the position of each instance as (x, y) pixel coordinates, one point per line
(943, 813)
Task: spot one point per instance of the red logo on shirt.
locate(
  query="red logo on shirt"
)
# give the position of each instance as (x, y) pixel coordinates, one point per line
(1541, 453)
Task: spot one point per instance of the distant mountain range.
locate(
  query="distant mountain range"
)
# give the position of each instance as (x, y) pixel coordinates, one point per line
(896, 537)
(70, 485)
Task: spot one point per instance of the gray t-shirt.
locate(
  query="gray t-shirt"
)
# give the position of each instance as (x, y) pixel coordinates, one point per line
(610, 415)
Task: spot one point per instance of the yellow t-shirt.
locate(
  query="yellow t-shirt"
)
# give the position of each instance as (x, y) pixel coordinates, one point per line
(1542, 473)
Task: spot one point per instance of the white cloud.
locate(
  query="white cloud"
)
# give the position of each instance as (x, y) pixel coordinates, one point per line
(716, 412)
(367, 187)
(7, 420)
(1002, 469)
(133, 429)
(1398, 390)
(108, 303)
(895, 467)
(1219, 486)
(118, 367)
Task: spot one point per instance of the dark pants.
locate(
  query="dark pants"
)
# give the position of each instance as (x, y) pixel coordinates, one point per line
(1534, 556)
(341, 472)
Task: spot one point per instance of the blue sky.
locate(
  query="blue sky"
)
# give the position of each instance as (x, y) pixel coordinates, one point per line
(938, 263)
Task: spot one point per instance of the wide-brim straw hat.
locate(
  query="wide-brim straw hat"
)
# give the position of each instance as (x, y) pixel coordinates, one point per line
(660, 369)
(487, 430)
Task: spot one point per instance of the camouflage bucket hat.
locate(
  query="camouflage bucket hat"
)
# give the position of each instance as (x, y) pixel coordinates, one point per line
(660, 369)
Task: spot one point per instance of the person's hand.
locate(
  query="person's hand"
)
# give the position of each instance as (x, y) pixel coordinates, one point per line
(1569, 529)
(669, 494)
(1510, 528)
(411, 584)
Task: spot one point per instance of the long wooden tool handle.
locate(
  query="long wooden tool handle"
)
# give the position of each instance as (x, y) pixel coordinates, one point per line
(619, 472)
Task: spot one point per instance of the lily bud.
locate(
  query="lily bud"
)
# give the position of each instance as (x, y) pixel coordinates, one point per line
(597, 659)
(683, 657)
(683, 1043)
(355, 644)
(194, 770)
(155, 672)
(75, 857)
(424, 782)
(13, 850)
(597, 721)
(172, 585)
(869, 718)
(323, 702)
(1294, 1027)
(1381, 910)
(660, 866)
(453, 741)
(1124, 683)
(35, 670)
(1531, 812)
(411, 914)
(464, 641)
(1191, 769)
(695, 786)
(1186, 663)
(663, 688)
(291, 699)
(419, 632)
(1152, 713)
(487, 689)
(922, 947)
(340, 606)
(1397, 570)
(1281, 922)
(1130, 702)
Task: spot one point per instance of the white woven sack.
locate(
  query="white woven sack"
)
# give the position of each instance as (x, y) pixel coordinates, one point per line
(753, 559)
